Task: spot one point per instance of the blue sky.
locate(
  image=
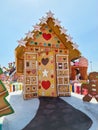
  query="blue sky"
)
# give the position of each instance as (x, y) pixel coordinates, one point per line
(79, 17)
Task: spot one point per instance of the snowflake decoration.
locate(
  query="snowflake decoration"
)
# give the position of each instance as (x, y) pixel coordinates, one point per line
(22, 42)
(43, 20)
(50, 14)
(36, 27)
(75, 46)
(63, 30)
(57, 22)
(45, 73)
(29, 34)
(69, 38)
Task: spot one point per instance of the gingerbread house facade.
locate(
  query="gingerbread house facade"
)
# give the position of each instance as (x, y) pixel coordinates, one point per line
(43, 57)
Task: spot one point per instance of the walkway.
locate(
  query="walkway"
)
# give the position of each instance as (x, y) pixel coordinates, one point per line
(56, 114)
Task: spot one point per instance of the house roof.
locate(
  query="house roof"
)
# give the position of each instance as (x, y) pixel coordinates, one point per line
(60, 32)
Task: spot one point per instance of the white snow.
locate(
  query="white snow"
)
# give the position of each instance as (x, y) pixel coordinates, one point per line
(25, 110)
(89, 108)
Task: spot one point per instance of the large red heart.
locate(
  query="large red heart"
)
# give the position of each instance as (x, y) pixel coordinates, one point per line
(46, 84)
(46, 36)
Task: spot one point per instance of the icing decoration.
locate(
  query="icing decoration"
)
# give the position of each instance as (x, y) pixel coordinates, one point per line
(43, 20)
(52, 93)
(43, 93)
(56, 50)
(58, 41)
(50, 30)
(22, 42)
(57, 22)
(31, 49)
(32, 42)
(37, 35)
(28, 71)
(52, 61)
(69, 38)
(39, 87)
(46, 84)
(46, 36)
(36, 43)
(49, 14)
(75, 46)
(52, 76)
(40, 33)
(33, 71)
(40, 44)
(29, 34)
(45, 44)
(46, 27)
(37, 27)
(45, 61)
(47, 52)
(36, 49)
(45, 73)
(63, 30)
(49, 44)
(57, 45)
(52, 86)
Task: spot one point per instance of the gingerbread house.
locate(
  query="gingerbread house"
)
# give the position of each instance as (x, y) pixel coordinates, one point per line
(43, 57)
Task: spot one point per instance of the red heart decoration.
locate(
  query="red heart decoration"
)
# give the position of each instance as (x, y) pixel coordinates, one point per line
(28, 71)
(46, 84)
(46, 36)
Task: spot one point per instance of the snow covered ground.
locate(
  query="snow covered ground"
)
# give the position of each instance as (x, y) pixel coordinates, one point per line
(89, 108)
(25, 110)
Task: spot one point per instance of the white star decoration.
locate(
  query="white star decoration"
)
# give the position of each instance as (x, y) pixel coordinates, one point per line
(63, 30)
(45, 73)
(29, 34)
(57, 22)
(75, 46)
(22, 42)
(49, 14)
(69, 38)
(36, 27)
(43, 20)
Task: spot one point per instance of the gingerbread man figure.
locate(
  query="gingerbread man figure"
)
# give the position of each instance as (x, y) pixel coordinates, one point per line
(92, 87)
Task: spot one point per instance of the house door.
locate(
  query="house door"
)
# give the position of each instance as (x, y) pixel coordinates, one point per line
(62, 75)
(47, 74)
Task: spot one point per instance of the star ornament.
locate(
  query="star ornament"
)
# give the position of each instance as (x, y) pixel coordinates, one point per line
(36, 27)
(30, 35)
(22, 42)
(57, 22)
(63, 30)
(45, 73)
(49, 14)
(43, 20)
(69, 38)
(75, 46)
